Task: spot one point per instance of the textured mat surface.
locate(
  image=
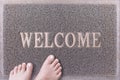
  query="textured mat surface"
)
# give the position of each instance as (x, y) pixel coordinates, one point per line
(56, 18)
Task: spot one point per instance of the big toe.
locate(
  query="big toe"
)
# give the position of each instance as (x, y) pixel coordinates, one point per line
(29, 68)
(49, 59)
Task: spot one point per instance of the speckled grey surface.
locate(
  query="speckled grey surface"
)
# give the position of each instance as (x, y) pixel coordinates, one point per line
(62, 18)
(1, 38)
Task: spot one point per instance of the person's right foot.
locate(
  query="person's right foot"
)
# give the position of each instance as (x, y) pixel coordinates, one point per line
(50, 70)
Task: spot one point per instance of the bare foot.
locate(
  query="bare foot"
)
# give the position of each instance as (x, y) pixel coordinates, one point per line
(21, 72)
(50, 70)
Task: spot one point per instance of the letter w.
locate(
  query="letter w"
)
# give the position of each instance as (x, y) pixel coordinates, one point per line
(26, 39)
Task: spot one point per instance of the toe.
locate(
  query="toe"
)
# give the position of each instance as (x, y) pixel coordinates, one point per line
(49, 59)
(59, 75)
(55, 62)
(15, 70)
(23, 67)
(11, 73)
(57, 66)
(58, 70)
(19, 68)
(29, 68)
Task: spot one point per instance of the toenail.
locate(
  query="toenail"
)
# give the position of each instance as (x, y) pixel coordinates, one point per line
(51, 56)
(19, 65)
(15, 66)
(23, 63)
(29, 64)
(60, 67)
(57, 60)
(59, 64)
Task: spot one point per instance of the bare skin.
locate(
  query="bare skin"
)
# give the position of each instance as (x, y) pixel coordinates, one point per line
(21, 72)
(50, 70)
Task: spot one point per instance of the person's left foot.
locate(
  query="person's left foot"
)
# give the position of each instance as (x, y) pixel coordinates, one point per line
(21, 72)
